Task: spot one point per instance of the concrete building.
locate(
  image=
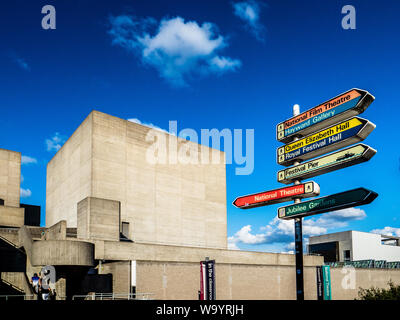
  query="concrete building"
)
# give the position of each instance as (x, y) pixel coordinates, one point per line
(12, 212)
(355, 246)
(170, 203)
(115, 216)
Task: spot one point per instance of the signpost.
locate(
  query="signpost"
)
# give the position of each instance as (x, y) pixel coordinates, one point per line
(327, 127)
(334, 161)
(335, 137)
(303, 190)
(345, 105)
(338, 201)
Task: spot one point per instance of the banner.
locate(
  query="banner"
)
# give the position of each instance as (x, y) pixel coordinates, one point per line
(326, 272)
(202, 281)
(320, 287)
(210, 266)
(207, 280)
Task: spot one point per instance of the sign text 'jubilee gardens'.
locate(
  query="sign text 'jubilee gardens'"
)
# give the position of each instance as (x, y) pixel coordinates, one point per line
(325, 128)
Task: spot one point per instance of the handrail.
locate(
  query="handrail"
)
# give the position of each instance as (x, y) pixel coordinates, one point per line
(11, 244)
(7, 296)
(115, 296)
(11, 285)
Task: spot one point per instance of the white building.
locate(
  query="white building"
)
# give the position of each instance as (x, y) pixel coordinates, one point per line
(355, 246)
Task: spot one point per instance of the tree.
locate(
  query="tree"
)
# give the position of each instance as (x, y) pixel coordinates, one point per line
(393, 293)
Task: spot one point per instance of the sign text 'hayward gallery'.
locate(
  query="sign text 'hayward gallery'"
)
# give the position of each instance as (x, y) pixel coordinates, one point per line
(346, 105)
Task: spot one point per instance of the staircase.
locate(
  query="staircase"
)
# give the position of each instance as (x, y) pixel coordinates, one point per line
(15, 281)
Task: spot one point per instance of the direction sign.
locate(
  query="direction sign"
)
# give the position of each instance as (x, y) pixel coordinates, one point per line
(302, 190)
(346, 105)
(338, 201)
(334, 161)
(335, 137)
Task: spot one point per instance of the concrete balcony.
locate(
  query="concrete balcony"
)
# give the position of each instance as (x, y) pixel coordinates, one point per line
(62, 253)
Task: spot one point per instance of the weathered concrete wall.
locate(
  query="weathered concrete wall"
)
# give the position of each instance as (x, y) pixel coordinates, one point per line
(10, 234)
(57, 231)
(25, 240)
(69, 176)
(98, 219)
(62, 252)
(172, 272)
(10, 177)
(11, 216)
(182, 204)
(343, 288)
(121, 275)
(174, 280)
(19, 281)
(111, 250)
(169, 280)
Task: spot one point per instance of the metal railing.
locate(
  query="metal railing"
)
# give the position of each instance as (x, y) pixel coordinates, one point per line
(11, 285)
(115, 296)
(11, 296)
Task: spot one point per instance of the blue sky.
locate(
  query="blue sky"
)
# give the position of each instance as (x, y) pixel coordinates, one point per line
(235, 65)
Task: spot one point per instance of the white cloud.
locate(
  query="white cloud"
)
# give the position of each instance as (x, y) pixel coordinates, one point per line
(232, 246)
(224, 63)
(249, 12)
(147, 124)
(244, 236)
(25, 193)
(388, 231)
(178, 50)
(337, 219)
(279, 231)
(28, 160)
(55, 143)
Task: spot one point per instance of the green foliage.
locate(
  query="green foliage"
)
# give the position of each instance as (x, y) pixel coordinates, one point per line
(393, 293)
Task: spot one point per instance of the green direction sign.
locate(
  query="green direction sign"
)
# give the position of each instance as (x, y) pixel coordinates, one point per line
(334, 161)
(338, 201)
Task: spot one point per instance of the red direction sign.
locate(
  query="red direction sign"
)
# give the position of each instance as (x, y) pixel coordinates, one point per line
(302, 190)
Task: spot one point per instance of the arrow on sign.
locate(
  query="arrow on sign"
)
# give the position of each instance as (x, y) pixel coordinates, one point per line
(335, 137)
(346, 105)
(303, 190)
(334, 161)
(338, 201)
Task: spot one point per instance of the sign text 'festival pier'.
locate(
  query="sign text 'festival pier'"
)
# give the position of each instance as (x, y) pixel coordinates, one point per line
(334, 161)
(326, 128)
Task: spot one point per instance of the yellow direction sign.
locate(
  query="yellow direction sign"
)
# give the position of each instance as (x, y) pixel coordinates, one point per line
(335, 137)
(334, 161)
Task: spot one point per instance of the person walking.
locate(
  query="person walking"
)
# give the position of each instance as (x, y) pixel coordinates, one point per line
(35, 283)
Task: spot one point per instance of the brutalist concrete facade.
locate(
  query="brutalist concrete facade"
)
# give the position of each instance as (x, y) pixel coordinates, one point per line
(105, 158)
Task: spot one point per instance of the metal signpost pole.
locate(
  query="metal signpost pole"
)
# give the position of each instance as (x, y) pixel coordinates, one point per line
(298, 236)
(316, 132)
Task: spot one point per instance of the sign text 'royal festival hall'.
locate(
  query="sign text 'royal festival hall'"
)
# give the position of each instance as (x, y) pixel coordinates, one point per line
(335, 137)
(331, 162)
